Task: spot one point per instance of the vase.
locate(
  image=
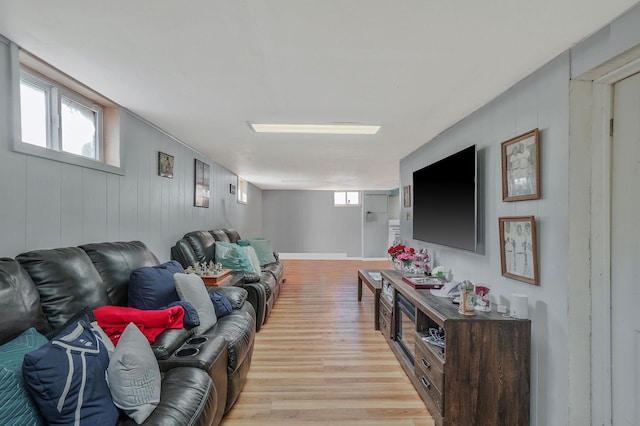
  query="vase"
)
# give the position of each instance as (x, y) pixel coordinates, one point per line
(397, 265)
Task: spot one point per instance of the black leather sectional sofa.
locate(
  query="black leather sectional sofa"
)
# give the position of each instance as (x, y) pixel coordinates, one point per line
(263, 288)
(202, 374)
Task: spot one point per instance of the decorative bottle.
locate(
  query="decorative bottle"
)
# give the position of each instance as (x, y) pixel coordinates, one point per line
(467, 299)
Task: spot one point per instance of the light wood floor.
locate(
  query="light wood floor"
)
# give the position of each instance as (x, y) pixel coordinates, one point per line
(318, 360)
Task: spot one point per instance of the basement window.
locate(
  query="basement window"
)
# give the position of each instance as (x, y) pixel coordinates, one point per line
(242, 191)
(346, 198)
(56, 118)
(63, 120)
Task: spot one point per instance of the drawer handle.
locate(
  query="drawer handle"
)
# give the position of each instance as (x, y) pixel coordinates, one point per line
(425, 364)
(425, 383)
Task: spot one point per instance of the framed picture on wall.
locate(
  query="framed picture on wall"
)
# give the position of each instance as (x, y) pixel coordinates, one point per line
(406, 195)
(202, 173)
(165, 165)
(521, 167)
(518, 248)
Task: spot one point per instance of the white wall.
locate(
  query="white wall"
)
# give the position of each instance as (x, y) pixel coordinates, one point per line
(47, 204)
(540, 101)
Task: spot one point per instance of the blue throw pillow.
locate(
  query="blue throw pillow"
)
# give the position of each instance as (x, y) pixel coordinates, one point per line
(220, 303)
(66, 378)
(16, 406)
(191, 318)
(152, 287)
(231, 256)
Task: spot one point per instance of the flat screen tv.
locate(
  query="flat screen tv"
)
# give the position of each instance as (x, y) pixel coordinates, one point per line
(445, 201)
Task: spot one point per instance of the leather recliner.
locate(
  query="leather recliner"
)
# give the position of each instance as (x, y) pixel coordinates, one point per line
(262, 288)
(46, 288)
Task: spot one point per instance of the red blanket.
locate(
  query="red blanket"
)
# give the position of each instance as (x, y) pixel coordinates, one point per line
(114, 319)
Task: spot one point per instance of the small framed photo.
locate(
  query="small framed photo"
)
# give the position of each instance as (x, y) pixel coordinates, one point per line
(165, 165)
(232, 188)
(521, 167)
(202, 179)
(518, 248)
(406, 195)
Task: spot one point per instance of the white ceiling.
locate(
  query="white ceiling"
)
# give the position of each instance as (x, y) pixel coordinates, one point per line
(201, 69)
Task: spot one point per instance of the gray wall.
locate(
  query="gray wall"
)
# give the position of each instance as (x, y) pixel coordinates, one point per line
(48, 204)
(540, 101)
(308, 222)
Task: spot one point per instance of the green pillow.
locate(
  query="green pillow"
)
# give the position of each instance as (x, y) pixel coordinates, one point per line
(231, 256)
(263, 250)
(243, 243)
(15, 401)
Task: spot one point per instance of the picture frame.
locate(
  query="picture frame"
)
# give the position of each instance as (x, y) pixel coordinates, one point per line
(406, 195)
(521, 167)
(518, 248)
(165, 165)
(202, 180)
(232, 189)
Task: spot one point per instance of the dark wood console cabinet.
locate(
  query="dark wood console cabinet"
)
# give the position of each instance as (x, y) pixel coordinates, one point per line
(482, 374)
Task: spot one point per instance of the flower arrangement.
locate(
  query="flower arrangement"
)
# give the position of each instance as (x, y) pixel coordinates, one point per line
(402, 253)
(411, 260)
(394, 251)
(407, 256)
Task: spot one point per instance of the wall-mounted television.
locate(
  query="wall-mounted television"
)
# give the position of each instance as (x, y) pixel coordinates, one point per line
(445, 201)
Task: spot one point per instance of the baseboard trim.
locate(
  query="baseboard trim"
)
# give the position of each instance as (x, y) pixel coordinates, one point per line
(326, 256)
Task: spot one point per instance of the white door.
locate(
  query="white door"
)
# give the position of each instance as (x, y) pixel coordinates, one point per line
(376, 225)
(625, 254)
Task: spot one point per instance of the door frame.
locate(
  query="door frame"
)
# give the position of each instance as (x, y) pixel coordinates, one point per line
(590, 145)
(365, 231)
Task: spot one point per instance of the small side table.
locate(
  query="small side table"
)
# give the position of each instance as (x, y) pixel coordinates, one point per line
(375, 286)
(216, 280)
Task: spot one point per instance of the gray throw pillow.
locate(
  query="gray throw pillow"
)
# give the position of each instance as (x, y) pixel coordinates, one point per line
(134, 376)
(191, 289)
(253, 258)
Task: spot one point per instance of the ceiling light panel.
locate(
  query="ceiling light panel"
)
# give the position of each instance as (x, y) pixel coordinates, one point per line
(332, 129)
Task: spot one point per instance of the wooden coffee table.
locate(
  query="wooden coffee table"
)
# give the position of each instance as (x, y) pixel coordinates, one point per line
(364, 276)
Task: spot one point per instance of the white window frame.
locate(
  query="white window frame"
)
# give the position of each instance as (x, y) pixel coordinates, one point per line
(41, 75)
(55, 94)
(243, 191)
(346, 203)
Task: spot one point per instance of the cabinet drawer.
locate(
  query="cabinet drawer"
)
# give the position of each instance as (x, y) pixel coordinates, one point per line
(385, 321)
(427, 363)
(429, 393)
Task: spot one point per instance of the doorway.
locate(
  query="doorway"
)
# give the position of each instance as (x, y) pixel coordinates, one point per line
(625, 253)
(376, 225)
(603, 273)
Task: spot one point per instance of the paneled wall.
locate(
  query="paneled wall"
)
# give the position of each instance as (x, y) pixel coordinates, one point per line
(562, 387)
(540, 101)
(46, 204)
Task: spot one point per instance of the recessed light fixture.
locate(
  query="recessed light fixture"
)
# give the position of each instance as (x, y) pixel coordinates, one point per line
(333, 129)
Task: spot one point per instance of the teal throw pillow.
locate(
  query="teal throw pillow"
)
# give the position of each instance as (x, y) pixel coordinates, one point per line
(263, 250)
(253, 258)
(243, 243)
(231, 256)
(16, 405)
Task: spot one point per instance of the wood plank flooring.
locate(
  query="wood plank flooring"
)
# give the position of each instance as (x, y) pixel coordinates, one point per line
(318, 360)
